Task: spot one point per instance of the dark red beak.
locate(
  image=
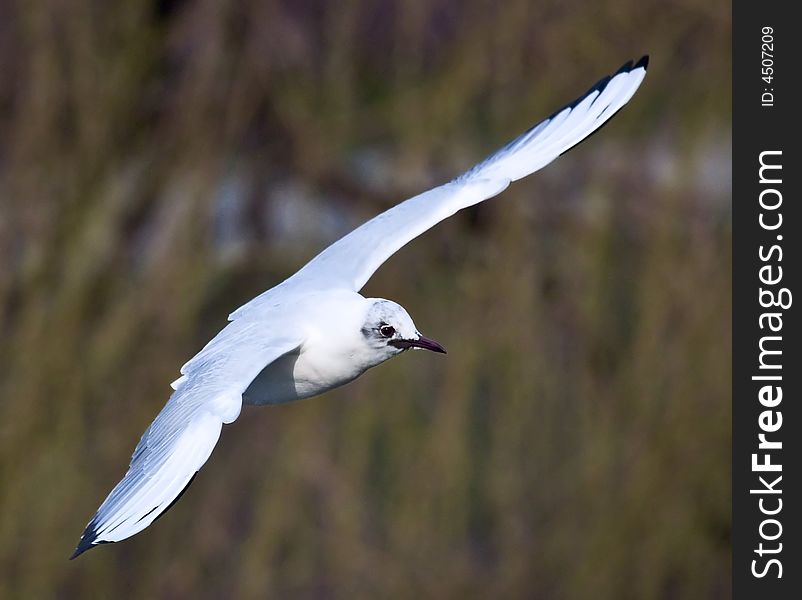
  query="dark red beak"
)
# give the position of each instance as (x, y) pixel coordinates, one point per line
(421, 342)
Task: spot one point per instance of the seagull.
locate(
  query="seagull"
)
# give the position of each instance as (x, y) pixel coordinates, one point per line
(314, 331)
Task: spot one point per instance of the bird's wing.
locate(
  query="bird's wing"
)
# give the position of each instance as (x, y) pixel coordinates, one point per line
(181, 438)
(352, 260)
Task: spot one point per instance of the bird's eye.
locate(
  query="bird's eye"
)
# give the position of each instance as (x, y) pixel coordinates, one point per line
(387, 330)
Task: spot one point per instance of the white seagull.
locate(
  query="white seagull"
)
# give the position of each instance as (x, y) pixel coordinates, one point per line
(315, 331)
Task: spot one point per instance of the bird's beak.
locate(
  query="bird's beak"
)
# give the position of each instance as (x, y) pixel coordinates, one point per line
(421, 342)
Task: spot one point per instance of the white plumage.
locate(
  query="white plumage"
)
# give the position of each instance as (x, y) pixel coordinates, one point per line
(314, 331)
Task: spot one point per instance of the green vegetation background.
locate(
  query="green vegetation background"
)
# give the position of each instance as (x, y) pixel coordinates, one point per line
(163, 162)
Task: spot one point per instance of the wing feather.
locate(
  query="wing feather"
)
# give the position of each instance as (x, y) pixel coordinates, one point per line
(183, 435)
(350, 262)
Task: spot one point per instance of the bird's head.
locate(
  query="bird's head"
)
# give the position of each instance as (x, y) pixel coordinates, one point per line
(388, 330)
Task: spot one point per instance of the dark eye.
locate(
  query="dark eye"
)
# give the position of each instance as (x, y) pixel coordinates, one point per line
(387, 330)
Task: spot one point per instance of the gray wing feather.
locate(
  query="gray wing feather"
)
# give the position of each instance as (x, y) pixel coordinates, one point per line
(350, 262)
(183, 435)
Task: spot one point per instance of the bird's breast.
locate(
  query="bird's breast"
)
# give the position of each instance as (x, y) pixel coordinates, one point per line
(334, 351)
(301, 375)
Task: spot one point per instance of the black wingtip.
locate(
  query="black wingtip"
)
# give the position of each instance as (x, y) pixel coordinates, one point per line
(83, 545)
(628, 67)
(625, 68)
(599, 86)
(596, 87)
(88, 540)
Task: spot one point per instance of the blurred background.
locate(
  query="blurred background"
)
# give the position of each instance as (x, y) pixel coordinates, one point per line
(163, 162)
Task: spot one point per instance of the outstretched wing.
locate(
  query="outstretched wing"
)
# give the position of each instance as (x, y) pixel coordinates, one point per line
(180, 440)
(351, 261)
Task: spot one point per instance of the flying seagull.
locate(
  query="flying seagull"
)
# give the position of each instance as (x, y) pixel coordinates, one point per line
(315, 331)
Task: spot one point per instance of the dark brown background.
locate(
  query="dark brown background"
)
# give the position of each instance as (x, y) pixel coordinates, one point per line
(162, 163)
